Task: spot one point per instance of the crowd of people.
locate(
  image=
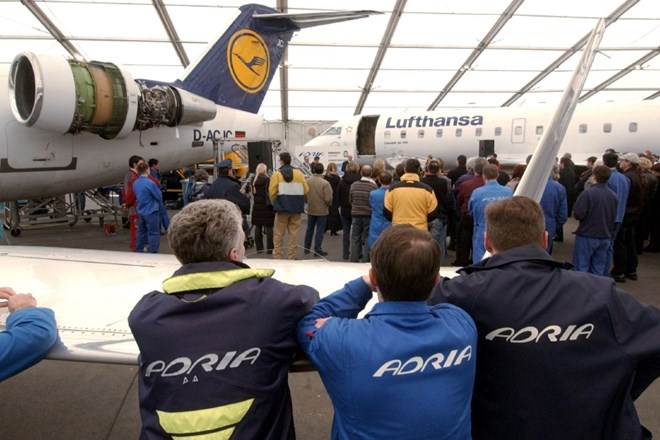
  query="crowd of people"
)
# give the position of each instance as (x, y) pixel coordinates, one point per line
(516, 346)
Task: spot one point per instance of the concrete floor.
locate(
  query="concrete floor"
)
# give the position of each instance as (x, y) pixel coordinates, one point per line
(64, 400)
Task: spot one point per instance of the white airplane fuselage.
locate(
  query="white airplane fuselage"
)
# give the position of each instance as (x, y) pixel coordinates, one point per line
(37, 163)
(515, 133)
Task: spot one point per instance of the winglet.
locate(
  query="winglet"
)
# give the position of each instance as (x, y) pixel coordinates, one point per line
(533, 181)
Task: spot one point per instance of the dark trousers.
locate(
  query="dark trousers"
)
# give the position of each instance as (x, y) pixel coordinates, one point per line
(346, 236)
(259, 238)
(625, 251)
(315, 222)
(464, 240)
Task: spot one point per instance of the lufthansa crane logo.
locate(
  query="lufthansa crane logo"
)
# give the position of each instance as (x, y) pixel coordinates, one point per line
(248, 60)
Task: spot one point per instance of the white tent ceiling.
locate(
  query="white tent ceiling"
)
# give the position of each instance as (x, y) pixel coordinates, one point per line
(417, 55)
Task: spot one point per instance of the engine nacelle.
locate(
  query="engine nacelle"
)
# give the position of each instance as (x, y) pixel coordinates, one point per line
(68, 96)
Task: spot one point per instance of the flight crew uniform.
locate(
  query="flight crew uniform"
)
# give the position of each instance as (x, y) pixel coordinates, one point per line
(404, 371)
(215, 349)
(562, 354)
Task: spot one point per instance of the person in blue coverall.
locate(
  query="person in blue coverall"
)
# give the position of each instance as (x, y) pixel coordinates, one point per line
(149, 209)
(481, 197)
(30, 333)
(555, 205)
(406, 370)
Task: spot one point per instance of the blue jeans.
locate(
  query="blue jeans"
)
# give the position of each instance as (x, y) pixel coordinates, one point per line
(148, 233)
(438, 230)
(317, 222)
(590, 254)
(359, 235)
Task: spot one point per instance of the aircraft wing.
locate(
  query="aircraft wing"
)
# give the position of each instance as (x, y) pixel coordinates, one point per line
(92, 292)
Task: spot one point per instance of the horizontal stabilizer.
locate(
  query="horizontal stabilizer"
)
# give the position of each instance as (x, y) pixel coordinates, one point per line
(317, 18)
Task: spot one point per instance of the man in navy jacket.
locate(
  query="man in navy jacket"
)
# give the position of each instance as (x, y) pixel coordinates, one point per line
(216, 344)
(562, 354)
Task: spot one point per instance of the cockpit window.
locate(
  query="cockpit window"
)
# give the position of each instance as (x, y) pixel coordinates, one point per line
(332, 131)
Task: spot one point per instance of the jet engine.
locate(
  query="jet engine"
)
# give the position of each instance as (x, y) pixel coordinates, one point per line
(68, 96)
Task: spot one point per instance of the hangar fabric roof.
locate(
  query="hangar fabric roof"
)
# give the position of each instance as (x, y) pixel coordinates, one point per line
(416, 55)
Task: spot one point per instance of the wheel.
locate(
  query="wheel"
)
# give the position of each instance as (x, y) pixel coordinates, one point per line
(15, 232)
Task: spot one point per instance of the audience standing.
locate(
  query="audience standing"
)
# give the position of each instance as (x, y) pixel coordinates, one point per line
(438, 219)
(625, 251)
(466, 222)
(555, 205)
(361, 215)
(411, 366)
(319, 199)
(561, 354)
(492, 191)
(217, 342)
(595, 209)
(409, 200)
(351, 176)
(287, 191)
(334, 219)
(377, 201)
(263, 216)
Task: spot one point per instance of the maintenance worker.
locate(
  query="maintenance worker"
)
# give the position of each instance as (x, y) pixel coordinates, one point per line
(216, 344)
(561, 354)
(149, 206)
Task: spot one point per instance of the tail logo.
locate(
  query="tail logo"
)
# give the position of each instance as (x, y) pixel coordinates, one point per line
(248, 60)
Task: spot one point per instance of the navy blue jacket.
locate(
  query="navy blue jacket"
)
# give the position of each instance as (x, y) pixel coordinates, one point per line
(595, 208)
(562, 354)
(215, 349)
(229, 188)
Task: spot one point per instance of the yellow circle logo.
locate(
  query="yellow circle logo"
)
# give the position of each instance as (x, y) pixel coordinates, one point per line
(248, 60)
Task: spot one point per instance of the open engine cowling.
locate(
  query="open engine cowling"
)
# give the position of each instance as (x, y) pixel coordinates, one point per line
(68, 96)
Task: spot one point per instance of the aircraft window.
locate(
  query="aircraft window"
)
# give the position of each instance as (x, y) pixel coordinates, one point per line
(403, 134)
(539, 129)
(477, 131)
(498, 131)
(420, 134)
(459, 132)
(583, 128)
(332, 131)
(387, 134)
(517, 130)
(438, 133)
(632, 127)
(607, 127)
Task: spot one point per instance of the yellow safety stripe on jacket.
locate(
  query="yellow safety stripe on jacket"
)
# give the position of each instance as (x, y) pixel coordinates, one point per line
(212, 280)
(221, 420)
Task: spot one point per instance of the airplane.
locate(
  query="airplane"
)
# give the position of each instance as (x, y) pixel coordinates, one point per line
(71, 125)
(510, 132)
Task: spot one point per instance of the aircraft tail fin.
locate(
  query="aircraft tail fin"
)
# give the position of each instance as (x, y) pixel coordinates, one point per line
(236, 70)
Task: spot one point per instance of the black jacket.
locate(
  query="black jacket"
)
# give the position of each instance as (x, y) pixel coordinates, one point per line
(262, 209)
(229, 188)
